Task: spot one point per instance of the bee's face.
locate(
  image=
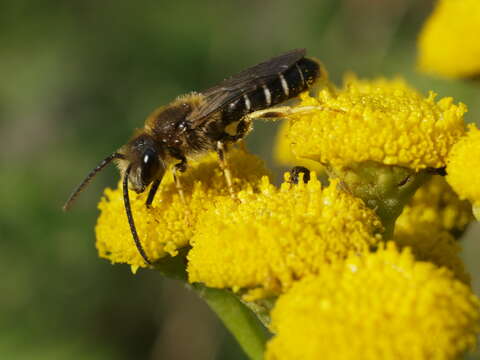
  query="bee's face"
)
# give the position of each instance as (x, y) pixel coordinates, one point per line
(146, 162)
(148, 168)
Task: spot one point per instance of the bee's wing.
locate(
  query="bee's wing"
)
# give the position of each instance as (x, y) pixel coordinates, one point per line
(234, 87)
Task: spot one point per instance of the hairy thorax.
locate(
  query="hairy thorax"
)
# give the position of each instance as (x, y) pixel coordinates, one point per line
(170, 126)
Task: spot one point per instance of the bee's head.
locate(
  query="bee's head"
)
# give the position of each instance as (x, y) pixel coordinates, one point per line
(146, 162)
(141, 161)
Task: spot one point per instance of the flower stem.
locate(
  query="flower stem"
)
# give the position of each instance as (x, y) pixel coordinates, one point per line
(238, 319)
(236, 316)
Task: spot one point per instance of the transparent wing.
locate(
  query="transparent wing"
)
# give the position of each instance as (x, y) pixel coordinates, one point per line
(236, 86)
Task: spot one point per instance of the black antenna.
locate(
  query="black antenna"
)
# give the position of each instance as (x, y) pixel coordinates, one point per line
(89, 178)
(126, 200)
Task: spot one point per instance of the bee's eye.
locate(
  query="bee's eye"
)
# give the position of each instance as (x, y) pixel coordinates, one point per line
(150, 166)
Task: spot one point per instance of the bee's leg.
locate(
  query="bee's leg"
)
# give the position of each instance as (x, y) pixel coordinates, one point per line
(243, 128)
(221, 149)
(285, 111)
(152, 192)
(181, 167)
(178, 184)
(295, 175)
(241, 144)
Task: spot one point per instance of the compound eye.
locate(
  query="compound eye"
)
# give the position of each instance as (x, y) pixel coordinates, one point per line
(150, 166)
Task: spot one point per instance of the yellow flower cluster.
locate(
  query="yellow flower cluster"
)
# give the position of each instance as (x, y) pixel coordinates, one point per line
(436, 205)
(277, 236)
(435, 246)
(428, 224)
(169, 225)
(384, 305)
(463, 168)
(341, 292)
(380, 120)
(448, 44)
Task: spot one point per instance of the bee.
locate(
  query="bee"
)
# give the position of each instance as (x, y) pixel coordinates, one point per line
(205, 121)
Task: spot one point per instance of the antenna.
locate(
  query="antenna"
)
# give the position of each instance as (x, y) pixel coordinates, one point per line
(126, 200)
(89, 178)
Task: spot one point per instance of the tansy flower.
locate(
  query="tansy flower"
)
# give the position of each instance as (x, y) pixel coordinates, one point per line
(383, 305)
(433, 245)
(436, 205)
(283, 153)
(448, 43)
(168, 225)
(382, 121)
(463, 168)
(273, 238)
(429, 222)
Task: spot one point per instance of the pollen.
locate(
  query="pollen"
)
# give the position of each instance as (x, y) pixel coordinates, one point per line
(448, 43)
(260, 246)
(385, 121)
(383, 305)
(169, 224)
(463, 164)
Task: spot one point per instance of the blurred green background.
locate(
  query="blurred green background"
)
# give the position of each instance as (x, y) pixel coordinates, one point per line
(76, 78)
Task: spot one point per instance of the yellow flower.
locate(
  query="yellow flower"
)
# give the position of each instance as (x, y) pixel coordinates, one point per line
(436, 205)
(169, 225)
(271, 239)
(433, 245)
(448, 44)
(428, 223)
(463, 168)
(382, 121)
(284, 156)
(384, 305)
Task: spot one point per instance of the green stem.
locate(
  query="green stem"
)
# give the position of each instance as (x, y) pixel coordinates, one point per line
(238, 319)
(236, 316)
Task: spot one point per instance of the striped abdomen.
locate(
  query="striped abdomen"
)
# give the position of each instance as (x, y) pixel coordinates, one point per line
(276, 90)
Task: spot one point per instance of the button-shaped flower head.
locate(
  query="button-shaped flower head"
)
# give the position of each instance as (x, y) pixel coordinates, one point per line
(384, 305)
(464, 168)
(448, 44)
(383, 121)
(273, 238)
